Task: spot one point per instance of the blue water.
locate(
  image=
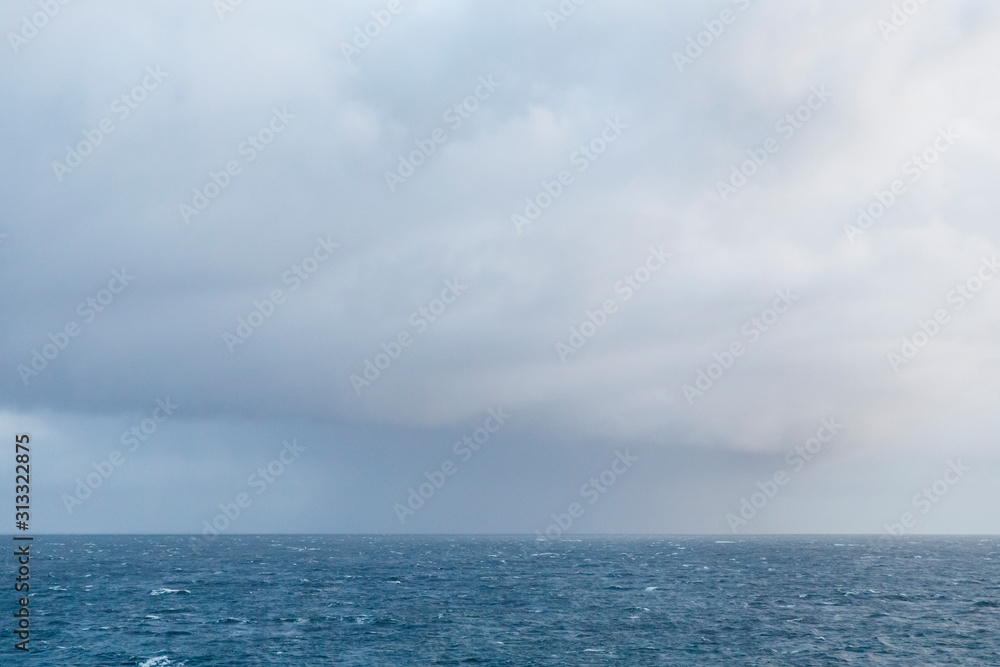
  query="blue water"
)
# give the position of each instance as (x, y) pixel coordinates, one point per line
(372, 600)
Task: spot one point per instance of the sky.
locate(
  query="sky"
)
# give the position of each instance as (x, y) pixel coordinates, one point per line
(532, 267)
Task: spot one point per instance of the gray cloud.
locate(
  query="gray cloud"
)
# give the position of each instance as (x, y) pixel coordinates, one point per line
(323, 176)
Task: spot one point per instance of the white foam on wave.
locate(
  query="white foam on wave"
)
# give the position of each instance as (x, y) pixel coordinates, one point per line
(166, 591)
(158, 661)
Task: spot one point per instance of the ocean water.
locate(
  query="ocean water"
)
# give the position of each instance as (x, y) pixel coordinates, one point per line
(157, 601)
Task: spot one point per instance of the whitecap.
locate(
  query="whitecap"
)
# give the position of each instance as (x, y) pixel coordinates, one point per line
(165, 591)
(158, 661)
(651, 588)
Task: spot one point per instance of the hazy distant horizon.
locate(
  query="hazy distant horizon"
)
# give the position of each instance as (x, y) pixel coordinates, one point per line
(569, 536)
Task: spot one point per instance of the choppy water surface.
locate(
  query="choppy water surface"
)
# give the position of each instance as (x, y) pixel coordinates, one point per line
(374, 600)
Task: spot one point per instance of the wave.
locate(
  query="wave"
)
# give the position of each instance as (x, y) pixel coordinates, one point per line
(158, 661)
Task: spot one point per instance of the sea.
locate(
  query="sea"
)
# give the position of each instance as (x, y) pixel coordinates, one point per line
(157, 601)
